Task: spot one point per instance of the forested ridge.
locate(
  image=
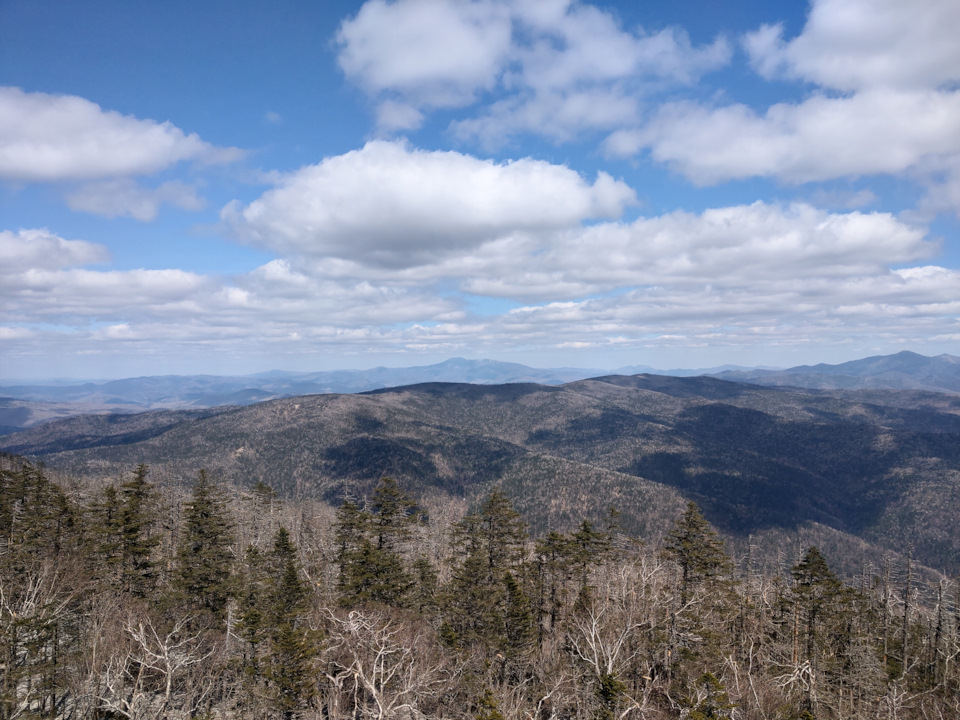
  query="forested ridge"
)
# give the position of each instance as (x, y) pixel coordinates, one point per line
(837, 468)
(119, 601)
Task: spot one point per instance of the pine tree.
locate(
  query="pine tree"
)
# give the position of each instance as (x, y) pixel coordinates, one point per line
(697, 630)
(819, 602)
(40, 546)
(589, 548)
(105, 535)
(487, 708)
(393, 514)
(712, 703)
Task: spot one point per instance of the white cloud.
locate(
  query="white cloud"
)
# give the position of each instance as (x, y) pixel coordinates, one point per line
(127, 198)
(742, 276)
(853, 45)
(884, 101)
(436, 53)
(732, 247)
(63, 137)
(389, 205)
(80, 296)
(943, 193)
(40, 249)
(843, 199)
(43, 281)
(565, 67)
(395, 116)
(871, 132)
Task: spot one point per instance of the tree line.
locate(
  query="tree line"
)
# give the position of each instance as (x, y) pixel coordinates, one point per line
(116, 602)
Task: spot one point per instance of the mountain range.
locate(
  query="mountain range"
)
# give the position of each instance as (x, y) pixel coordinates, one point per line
(859, 472)
(24, 405)
(904, 370)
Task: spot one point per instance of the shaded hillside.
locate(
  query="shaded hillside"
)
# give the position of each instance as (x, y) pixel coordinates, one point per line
(881, 467)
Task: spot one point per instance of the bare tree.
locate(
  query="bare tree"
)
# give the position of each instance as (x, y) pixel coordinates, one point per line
(140, 682)
(378, 669)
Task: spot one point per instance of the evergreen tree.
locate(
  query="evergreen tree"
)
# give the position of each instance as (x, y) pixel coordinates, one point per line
(554, 570)
(371, 544)
(492, 543)
(37, 518)
(289, 671)
(817, 596)
(589, 548)
(253, 622)
(40, 546)
(393, 515)
(712, 702)
(138, 514)
(519, 628)
(202, 578)
(698, 630)
(105, 534)
(695, 547)
(610, 692)
(487, 708)
(816, 588)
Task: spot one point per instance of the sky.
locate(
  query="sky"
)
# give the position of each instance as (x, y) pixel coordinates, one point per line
(234, 187)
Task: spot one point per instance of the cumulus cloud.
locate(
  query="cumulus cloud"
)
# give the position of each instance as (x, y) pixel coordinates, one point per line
(390, 205)
(871, 132)
(725, 247)
(747, 275)
(63, 137)
(435, 53)
(42, 250)
(852, 45)
(884, 100)
(45, 279)
(125, 197)
(80, 296)
(560, 64)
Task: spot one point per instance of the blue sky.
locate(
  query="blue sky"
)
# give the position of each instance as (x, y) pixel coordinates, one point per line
(234, 187)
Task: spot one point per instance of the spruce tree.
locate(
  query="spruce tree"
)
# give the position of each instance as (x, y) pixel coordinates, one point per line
(105, 534)
(519, 628)
(491, 543)
(371, 548)
(202, 578)
(553, 572)
(138, 515)
(697, 630)
(697, 549)
(818, 594)
(817, 604)
(289, 670)
(589, 549)
(252, 624)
